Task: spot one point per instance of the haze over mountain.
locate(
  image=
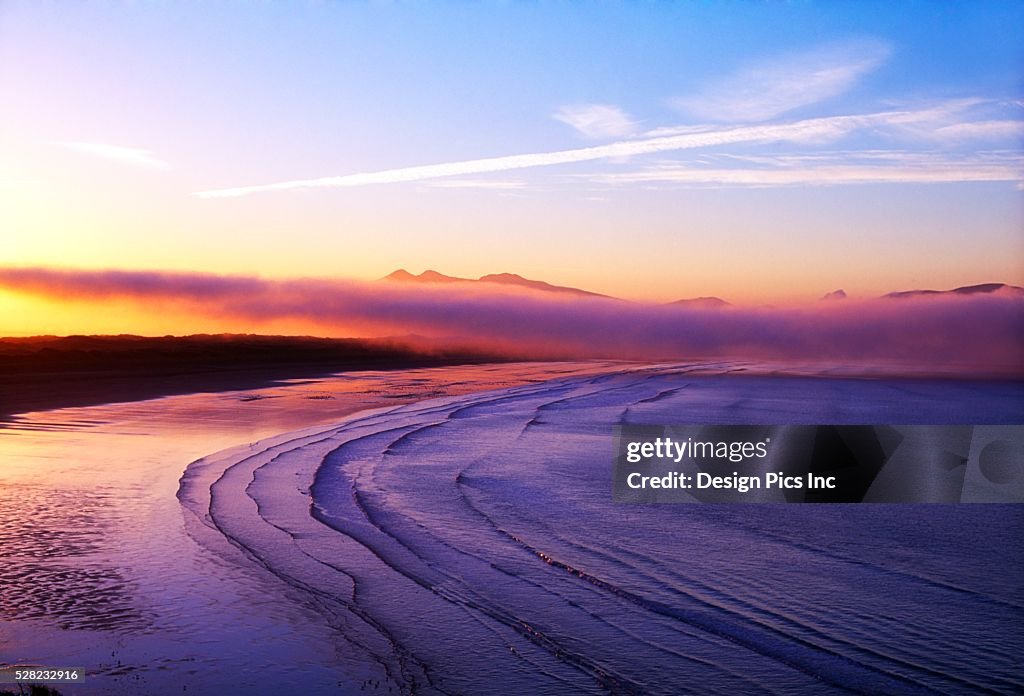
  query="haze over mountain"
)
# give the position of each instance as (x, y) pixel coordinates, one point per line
(429, 276)
(839, 294)
(981, 289)
(705, 302)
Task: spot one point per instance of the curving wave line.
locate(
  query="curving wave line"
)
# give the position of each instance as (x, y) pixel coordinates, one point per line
(470, 541)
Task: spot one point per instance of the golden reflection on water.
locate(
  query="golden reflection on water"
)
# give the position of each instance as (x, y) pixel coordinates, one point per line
(92, 537)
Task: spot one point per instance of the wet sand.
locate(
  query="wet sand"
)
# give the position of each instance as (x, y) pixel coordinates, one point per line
(49, 372)
(444, 530)
(98, 568)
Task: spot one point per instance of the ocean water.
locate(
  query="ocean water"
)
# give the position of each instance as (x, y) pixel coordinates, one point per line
(99, 569)
(469, 544)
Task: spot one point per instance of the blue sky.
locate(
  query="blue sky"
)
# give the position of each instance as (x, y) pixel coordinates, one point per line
(776, 151)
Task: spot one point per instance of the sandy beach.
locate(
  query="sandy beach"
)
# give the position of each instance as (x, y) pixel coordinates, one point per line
(442, 530)
(99, 569)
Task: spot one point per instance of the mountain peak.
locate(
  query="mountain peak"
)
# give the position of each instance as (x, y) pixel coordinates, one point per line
(431, 276)
(705, 302)
(505, 278)
(980, 289)
(428, 276)
(400, 274)
(516, 279)
(839, 294)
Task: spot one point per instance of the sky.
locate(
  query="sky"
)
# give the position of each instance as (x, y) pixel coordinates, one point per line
(758, 152)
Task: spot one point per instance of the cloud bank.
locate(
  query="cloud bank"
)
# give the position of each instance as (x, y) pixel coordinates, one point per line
(978, 334)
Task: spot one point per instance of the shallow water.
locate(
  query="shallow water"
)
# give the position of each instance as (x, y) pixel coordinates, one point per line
(461, 543)
(465, 541)
(98, 568)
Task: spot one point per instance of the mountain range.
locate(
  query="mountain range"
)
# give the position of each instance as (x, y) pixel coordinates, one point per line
(402, 275)
(433, 277)
(982, 289)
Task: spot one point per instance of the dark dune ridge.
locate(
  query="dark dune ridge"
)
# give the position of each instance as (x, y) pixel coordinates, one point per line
(44, 372)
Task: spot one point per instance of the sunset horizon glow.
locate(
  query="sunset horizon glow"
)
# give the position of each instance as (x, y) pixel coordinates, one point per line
(648, 153)
(916, 331)
(328, 331)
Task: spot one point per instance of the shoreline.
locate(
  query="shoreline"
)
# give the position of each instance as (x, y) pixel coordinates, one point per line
(45, 373)
(21, 394)
(500, 537)
(70, 592)
(34, 392)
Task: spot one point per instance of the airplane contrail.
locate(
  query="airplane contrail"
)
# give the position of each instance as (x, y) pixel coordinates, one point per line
(813, 129)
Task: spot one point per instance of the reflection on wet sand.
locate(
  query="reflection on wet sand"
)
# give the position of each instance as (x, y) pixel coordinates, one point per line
(98, 570)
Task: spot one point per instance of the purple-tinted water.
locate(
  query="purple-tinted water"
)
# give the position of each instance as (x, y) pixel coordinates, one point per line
(468, 543)
(463, 543)
(99, 568)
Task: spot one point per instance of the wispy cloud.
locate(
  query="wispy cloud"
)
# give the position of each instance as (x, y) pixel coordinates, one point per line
(842, 168)
(597, 121)
(775, 86)
(982, 130)
(815, 130)
(116, 153)
(497, 185)
(957, 121)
